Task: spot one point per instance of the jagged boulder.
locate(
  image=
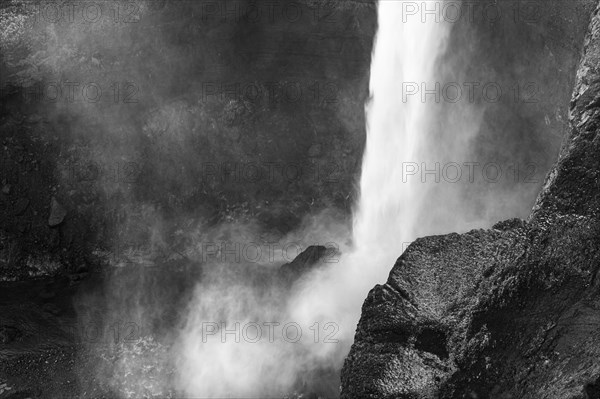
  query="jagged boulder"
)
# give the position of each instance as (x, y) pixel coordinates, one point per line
(309, 259)
(511, 312)
(57, 213)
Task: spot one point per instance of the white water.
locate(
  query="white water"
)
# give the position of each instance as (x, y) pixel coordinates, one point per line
(385, 219)
(406, 51)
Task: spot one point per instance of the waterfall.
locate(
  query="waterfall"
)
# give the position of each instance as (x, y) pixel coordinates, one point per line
(386, 217)
(406, 49)
(390, 206)
(389, 211)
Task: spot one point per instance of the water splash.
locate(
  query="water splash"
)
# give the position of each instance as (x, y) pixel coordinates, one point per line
(386, 216)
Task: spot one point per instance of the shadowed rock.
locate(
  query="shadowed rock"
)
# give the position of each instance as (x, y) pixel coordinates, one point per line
(309, 259)
(57, 213)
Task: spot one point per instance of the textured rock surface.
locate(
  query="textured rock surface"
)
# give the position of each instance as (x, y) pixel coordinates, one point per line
(311, 258)
(511, 312)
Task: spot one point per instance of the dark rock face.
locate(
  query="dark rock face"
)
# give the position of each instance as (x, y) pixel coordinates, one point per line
(57, 213)
(511, 312)
(306, 261)
(234, 110)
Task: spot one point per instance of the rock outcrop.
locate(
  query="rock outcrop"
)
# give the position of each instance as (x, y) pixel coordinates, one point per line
(511, 312)
(309, 259)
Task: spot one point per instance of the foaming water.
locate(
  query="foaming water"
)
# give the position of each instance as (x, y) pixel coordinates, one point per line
(386, 216)
(329, 299)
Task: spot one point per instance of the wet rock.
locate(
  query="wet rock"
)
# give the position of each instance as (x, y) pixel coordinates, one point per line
(315, 150)
(509, 224)
(9, 334)
(309, 259)
(53, 239)
(51, 308)
(83, 268)
(75, 278)
(57, 213)
(592, 390)
(47, 293)
(20, 206)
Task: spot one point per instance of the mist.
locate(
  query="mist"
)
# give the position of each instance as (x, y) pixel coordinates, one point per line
(197, 198)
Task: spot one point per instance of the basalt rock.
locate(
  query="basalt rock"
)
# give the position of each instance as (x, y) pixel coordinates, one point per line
(309, 259)
(57, 213)
(510, 312)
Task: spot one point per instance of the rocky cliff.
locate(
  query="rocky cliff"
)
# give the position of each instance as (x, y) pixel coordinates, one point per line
(510, 312)
(207, 112)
